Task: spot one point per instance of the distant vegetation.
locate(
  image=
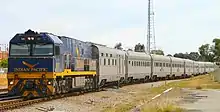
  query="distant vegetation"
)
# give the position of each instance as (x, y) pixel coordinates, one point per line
(4, 63)
(206, 52)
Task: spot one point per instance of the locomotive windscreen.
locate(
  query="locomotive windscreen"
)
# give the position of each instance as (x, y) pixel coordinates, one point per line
(39, 49)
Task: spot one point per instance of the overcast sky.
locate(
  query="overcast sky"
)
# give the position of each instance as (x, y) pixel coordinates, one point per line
(181, 25)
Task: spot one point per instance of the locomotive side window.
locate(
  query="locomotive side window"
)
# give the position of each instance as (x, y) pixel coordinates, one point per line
(57, 50)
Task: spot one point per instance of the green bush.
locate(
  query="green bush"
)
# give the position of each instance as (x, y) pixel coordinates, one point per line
(4, 63)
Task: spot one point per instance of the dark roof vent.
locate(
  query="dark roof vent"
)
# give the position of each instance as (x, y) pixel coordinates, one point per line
(30, 32)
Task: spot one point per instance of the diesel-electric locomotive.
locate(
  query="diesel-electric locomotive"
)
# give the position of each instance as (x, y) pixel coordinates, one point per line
(43, 64)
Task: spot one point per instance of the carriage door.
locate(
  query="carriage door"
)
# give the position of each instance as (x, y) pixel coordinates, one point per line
(119, 65)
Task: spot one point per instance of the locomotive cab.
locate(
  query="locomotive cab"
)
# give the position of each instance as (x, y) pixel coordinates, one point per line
(32, 57)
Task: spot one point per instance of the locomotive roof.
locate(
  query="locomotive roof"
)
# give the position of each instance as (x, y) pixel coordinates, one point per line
(44, 37)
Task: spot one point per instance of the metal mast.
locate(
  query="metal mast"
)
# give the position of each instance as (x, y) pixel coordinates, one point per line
(151, 43)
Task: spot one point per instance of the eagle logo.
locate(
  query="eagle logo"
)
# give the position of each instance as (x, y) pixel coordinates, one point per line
(29, 65)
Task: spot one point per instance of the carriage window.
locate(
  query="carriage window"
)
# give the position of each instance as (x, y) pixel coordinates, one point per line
(132, 63)
(106, 54)
(115, 62)
(104, 62)
(110, 55)
(108, 61)
(129, 62)
(167, 65)
(112, 61)
(148, 63)
(160, 64)
(163, 64)
(156, 64)
(102, 54)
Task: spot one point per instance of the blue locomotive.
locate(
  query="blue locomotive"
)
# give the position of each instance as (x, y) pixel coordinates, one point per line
(43, 64)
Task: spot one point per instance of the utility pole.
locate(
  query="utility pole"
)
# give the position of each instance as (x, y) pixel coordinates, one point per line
(151, 43)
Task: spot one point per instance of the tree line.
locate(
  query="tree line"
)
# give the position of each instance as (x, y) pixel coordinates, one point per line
(206, 52)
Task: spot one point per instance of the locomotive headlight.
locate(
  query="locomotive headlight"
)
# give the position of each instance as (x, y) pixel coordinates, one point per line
(29, 38)
(49, 83)
(12, 82)
(32, 38)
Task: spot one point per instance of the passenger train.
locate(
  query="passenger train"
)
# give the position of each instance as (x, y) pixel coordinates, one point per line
(43, 64)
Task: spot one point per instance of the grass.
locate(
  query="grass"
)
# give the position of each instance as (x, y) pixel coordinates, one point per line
(162, 108)
(199, 82)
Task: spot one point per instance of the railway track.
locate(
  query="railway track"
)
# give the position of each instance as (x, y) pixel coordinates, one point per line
(20, 102)
(3, 90)
(13, 103)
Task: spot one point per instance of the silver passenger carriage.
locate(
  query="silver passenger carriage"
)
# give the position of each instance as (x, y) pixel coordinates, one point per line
(177, 66)
(111, 64)
(188, 67)
(139, 66)
(161, 66)
(196, 68)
